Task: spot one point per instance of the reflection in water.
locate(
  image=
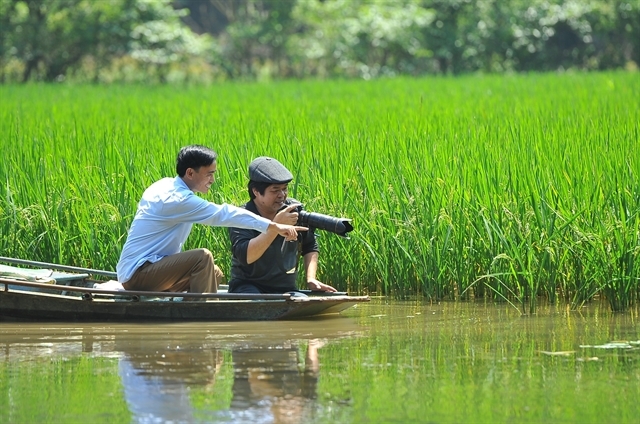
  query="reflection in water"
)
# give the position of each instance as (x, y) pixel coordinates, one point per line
(151, 399)
(157, 383)
(272, 382)
(196, 373)
(409, 362)
(275, 383)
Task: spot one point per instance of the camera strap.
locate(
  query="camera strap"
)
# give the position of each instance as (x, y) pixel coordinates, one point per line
(290, 268)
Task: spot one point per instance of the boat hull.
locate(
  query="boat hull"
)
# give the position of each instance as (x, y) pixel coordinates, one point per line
(96, 307)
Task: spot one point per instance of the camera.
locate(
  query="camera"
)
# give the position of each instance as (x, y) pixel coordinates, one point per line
(339, 226)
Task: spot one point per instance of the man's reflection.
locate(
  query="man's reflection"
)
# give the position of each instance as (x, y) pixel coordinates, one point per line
(275, 383)
(158, 382)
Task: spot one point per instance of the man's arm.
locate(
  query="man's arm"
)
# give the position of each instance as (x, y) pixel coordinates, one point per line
(259, 244)
(194, 209)
(285, 218)
(310, 269)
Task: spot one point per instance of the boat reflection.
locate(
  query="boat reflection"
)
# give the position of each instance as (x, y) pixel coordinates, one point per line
(267, 373)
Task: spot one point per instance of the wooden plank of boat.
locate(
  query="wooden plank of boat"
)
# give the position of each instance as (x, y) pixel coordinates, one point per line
(104, 305)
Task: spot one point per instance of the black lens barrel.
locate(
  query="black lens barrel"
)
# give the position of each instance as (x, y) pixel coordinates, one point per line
(339, 226)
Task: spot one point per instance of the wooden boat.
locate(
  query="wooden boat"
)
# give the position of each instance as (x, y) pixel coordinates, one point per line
(71, 296)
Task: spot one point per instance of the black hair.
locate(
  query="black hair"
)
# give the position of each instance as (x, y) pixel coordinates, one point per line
(260, 186)
(194, 156)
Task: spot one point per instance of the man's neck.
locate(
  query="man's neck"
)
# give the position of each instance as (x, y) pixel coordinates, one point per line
(265, 213)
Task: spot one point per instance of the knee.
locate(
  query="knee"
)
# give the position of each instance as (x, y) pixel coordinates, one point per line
(205, 254)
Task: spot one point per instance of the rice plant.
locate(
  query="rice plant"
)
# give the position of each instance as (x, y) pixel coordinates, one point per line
(511, 188)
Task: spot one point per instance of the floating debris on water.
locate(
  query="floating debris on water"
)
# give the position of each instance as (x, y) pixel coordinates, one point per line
(562, 353)
(614, 345)
(588, 359)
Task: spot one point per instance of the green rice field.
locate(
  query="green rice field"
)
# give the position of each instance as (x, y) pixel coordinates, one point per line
(522, 189)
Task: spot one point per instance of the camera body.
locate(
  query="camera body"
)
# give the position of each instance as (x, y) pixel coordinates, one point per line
(339, 226)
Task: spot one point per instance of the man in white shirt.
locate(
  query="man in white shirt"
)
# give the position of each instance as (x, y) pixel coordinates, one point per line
(152, 258)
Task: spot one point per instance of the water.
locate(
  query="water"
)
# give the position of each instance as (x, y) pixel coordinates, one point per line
(387, 361)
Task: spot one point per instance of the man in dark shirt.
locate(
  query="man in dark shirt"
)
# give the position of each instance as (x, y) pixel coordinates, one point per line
(264, 262)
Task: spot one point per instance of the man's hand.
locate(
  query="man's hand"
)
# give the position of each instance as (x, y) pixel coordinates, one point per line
(287, 215)
(316, 285)
(289, 232)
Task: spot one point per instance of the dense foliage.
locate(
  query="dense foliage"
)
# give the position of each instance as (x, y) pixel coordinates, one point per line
(207, 40)
(501, 187)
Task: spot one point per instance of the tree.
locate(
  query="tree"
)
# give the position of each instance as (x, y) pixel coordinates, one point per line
(52, 38)
(56, 39)
(365, 38)
(159, 38)
(251, 34)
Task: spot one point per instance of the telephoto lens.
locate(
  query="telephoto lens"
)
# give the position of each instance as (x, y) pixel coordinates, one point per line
(339, 226)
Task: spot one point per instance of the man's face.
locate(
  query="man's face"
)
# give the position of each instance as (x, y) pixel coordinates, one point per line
(273, 198)
(200, 181)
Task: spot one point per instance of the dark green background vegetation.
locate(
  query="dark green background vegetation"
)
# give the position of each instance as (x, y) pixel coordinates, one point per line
(212, 40)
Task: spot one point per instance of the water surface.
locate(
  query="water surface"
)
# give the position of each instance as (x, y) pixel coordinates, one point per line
(387, 361)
